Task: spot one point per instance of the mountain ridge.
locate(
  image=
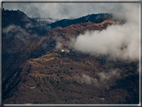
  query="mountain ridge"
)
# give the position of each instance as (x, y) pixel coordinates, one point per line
(16, 44)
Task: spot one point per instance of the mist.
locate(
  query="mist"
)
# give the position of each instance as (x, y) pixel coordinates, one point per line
(104, 78)
(59, 42)
(119, 41)
(18, 32)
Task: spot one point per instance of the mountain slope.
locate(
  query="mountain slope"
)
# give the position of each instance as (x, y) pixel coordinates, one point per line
(70, 78)
(35, 46)
(43, 74)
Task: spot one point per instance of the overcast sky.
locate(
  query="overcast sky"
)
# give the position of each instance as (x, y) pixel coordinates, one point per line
(62, 10)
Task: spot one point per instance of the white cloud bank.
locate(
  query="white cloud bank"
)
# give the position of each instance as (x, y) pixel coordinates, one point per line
(17, 32)
(118, 41)
(104, 78)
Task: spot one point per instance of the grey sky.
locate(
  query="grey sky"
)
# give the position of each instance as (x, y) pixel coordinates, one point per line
(62, 10)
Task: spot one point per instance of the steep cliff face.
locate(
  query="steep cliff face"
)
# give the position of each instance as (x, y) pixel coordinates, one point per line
(39, 72)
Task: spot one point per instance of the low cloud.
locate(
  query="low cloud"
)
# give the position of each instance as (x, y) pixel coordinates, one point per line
(42, 42)
(119, 41)
(103, 78)
(29, 25)
(58, 45)
(17, 32)
(86, 79)
(9, 28)
(59, 42)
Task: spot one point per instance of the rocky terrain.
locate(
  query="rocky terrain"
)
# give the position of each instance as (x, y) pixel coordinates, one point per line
(58, 77)
(39, 73)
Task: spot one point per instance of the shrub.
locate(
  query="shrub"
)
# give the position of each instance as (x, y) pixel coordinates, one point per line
(62, 65)
(57, 82)
(71, 68)
(41, 90)
(38, 61)
(47, 77)
(63, 90)
(38, 85)
(53, 101)
(57, 73)
(47, 86)
(35, 102)
(88, 63)
(51, 81)
(68, 82)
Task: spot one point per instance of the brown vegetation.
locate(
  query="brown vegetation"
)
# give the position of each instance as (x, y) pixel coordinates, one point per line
(53, 81)
(56, 77)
